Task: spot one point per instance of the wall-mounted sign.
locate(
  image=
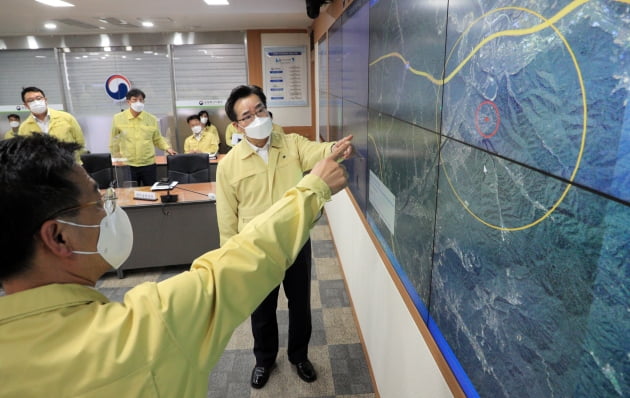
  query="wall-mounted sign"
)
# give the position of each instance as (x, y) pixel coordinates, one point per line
(211, 103)
(285, 74)
(23, 108)
(117, 87)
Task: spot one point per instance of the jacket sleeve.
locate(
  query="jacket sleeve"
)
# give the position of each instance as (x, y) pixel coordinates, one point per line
(114, 139)
(158, 140)
(226, 203)
(77, 133)
(311, 152)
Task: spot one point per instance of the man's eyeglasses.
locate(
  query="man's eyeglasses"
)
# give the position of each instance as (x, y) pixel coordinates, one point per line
(31, 100)
(107, 202)
(260, 112)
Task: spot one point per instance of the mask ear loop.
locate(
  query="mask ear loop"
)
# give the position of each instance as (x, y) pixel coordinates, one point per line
(109, 201)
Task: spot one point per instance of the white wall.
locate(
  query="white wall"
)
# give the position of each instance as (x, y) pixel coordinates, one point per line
(400, 359)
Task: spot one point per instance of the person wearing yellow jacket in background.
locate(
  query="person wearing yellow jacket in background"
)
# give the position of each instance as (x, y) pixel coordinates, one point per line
(250, 179)
(14, 123)
(134, 136)
(208, 127)
(201, 141)
(59, 337)
(42, 119)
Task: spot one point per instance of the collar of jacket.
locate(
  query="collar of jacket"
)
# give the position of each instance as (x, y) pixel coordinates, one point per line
(47, 298)
(245, 150)
(130, 115)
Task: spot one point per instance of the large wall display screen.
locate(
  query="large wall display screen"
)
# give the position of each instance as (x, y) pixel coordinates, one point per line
(498, 182)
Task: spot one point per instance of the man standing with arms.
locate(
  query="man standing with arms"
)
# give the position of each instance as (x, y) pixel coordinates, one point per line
(42, 119)
(135, 134)
(250, 179)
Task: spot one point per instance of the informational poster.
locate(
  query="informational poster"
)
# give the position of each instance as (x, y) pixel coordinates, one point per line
(285, 74)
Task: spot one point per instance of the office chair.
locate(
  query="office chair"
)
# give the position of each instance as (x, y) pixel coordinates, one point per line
(188, 168)
(99, 167)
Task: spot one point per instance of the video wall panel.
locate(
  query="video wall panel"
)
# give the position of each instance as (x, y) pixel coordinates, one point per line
(498, 181)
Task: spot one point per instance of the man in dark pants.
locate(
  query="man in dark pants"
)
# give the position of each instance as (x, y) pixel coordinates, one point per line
(135, 134)
(297, 287)
(250, 179)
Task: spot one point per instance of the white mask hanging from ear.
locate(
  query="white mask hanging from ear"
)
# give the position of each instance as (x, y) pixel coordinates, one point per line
(115, 239)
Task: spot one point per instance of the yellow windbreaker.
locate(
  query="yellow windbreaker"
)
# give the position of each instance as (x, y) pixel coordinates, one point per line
(246, 186)
(135, 138)
(68, 340)
(62, 126)
(208, 143)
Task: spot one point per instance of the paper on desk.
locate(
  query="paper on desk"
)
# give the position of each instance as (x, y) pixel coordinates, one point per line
(163, 186)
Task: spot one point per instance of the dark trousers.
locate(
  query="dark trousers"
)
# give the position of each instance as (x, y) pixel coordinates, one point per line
(144, 175)
(297, 287)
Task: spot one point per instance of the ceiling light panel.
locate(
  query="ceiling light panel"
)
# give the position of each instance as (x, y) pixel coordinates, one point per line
(55, 3)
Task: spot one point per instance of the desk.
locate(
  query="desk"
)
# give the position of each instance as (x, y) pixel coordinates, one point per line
(170, 233)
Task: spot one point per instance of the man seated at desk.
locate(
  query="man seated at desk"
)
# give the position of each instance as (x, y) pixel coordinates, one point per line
(61, 337)
(201, 140)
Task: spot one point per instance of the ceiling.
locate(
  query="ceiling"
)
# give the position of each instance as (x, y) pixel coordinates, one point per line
(27, 17)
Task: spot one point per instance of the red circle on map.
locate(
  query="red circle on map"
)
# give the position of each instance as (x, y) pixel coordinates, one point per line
(497, 120)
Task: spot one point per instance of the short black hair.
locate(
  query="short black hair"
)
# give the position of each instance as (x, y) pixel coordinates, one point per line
(14, 115)
(135, 92)
(34, 185)
(192, 117)
(31, 89)
(242, 92)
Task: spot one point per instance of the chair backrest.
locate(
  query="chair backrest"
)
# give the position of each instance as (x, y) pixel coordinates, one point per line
(99, 167)
(188, 168)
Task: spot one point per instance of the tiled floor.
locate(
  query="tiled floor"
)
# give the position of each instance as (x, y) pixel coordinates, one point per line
(335, 349)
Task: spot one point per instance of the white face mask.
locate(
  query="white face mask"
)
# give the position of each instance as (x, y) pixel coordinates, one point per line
(14, 124)
(115, 239)
(260, 128)
(196, 129)
(204, 120)
(137, 106)
(38, 107)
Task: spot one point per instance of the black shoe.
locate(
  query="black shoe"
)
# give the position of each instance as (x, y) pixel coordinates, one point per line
(306, 371)
(260, 375)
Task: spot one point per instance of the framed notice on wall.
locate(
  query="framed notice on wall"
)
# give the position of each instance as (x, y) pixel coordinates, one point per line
(285, 76)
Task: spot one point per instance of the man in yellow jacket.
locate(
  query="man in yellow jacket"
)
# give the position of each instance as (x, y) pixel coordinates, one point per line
(14, 123)
(201, 140)
(42, 119)
(59, 337)
(134, 136)
(250, 179)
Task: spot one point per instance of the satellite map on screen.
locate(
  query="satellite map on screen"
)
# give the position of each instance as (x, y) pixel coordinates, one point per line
(499, 161)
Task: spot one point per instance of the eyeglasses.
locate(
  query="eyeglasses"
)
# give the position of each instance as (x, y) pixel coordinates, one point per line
(31, 100)
(261, 111)
(107, 202)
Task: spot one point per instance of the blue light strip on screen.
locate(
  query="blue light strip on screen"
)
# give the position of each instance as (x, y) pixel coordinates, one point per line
(448, 354)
